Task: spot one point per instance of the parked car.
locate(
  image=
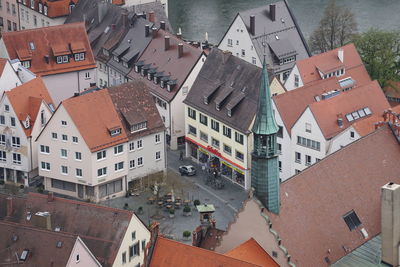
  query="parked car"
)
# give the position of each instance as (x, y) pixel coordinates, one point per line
(188, 170)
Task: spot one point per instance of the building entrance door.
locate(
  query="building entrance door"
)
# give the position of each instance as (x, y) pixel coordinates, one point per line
(80, 191)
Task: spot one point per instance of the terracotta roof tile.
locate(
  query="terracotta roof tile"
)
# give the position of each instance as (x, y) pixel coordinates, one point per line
(26, 100)
(135, 104)
(326, 111)
(94, 115)
(327, 61)
(168, 62)
(76, 218)
(251, 251)
(172, 253)
(50, 41)
(313, 203)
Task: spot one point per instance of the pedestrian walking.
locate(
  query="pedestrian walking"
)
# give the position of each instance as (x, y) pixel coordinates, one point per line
(181, 156)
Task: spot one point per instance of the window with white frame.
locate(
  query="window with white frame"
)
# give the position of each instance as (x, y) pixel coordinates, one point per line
(239, 138)
(3, 156)
(64, 169)
(78, 155)
(132, 164)
(239, 155)
(118, 149)
(2, 139)
(230, 42)
(215, 142)
(139, 144)
(308, 127)
(158, 138)
(6, 108)
(64, 153)
(2, 120)
(64, 137)
(297, 157)
(140, 161)
(254, 60)
(12, 121)
(16, 142)
(64, 123)
(131, 146)
(78, 172)
(119, 166)
(54, 136)
(16, 158)
(74, 139)
(308, 160)
(102, 172)
(79, 56)
(87, 75)
(101, 154)
(139, 126)
(44, 149)
(158, 155)
(45, 166)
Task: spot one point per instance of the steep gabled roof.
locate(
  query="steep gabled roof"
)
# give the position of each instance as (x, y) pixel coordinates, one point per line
(326, 112)
(55, 8)
(172, 253)
(35, 44)
(231, 82)
(95, 116)
(313, 203)
(251, 251)
(168, 62)
(26, 100)
(134, 104)
(76, 218)
(308, 67)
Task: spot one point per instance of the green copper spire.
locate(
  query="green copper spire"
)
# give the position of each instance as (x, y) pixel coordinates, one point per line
(265, 120)
(264, 158)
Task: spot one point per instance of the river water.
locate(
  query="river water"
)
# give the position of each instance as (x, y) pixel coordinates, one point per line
(195, 17)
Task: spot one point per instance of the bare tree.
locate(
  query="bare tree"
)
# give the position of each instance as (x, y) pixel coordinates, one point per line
(336, 28)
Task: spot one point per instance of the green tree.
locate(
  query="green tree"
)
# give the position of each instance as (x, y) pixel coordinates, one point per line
(336, 28)
(380, 52)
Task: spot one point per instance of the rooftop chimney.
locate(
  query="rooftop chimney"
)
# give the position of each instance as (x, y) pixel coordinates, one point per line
(162, 25)
(147, 30)
(9, 206)
(102, 10)
(272, 12)
(151, 17)
(50, 197)
(166, 39)
(42, 219)
(390, 223)
(154, 32)
(180, 50)
(253, 25)
(124, 19)
(340, 54)
(179, 34)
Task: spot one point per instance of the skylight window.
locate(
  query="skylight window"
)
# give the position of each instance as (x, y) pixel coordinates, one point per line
(355, 115)
(363, 112)
(352, 220)
(367, 111)
(32, 46)
(24, 255)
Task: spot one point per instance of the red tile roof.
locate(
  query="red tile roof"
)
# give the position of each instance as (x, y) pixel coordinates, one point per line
(328, 61)
(50, 41)
(76, 218)
(55, 8)
(26, 100)
(326, 111)
(172, 253)
(313, 203)
(251, 251)
(167, 61)
(94, 115)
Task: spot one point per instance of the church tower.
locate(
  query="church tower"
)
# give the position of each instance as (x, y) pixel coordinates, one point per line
(264, 163)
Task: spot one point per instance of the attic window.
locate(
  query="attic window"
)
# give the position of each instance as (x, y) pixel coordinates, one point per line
(352, 220)
(125, 64)
(79, 56)
(206, 100)
(59, 244)
(62, 59)
(358, 114)
(116, 58)
(32, 46)
(139, 126)
(26, 64)
(27, 123)
(45, 9)
(24, 255)
(40, 7)
(115, 132)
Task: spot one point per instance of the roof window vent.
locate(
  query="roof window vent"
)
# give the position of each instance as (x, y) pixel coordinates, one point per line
(115, 131)
(14, 238)
(59, 244)
(24, 255)
(32, 46)
(330, 94)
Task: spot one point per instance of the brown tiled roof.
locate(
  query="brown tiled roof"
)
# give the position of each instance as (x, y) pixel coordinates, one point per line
(327, 61)
(101, 228)
(26, 100)
(48, 41)
(172, 253)
(134, 104)
(326, 111)
(42, 245)
(291, 104)
(3, 62)
(310, 222)
(55, 8)
(94, 115)
(251, 251)
(168, 62)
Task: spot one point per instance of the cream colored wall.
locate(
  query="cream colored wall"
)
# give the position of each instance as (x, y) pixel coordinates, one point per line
(54, 158)
(142, 233)
(276, 87)
(86, 258)
(342, 139)
(9, 79)
(250, 224)
(29, 23)
(289, 83)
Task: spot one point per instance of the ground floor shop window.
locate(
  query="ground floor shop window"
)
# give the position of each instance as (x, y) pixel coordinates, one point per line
(238, 177)
(226, 171)
(203, 157)
(193, 151)
(110, 188)
(63, 185)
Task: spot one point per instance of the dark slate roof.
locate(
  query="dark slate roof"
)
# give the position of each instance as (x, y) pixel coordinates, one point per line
(159, 12)
(220, 73)
(285, 27)
(131, 46)
(134, 105)
(77, 218)
(168, 63)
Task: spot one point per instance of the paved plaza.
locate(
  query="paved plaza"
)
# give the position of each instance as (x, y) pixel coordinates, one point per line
(227, 201)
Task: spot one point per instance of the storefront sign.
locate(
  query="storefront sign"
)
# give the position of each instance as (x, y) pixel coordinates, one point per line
(204, 151)
(238, 170)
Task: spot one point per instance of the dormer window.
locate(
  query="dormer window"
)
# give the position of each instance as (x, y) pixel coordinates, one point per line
(79, 56)
(149, 76)
(139, 126)
(114, 132)
(116, 58)
(125, 64)
(156, 79)
(71, 6)
(40, 5)
(33, 4)
(62, 59)
(144, 71)
(206, 100)
(26, 64)
(105, 52)
(162, 84)
(45, 9)
(136, 68)
(27, 123)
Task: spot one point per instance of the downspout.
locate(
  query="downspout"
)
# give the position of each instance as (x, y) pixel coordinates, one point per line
(30, 145)
(79, 86)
